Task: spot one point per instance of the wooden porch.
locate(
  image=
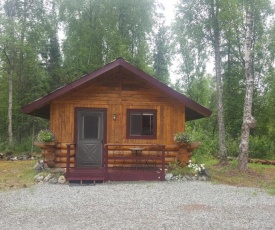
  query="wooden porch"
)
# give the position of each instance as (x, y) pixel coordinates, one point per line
(122, 162)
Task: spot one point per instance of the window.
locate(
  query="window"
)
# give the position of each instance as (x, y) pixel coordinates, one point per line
(141, 124)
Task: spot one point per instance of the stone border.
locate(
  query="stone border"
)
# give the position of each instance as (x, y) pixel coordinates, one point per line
(171, 177)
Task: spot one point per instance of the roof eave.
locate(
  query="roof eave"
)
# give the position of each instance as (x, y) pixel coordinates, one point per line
(173, 93)
(41, 107)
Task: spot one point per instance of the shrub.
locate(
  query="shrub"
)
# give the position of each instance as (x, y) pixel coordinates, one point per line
(261, 147)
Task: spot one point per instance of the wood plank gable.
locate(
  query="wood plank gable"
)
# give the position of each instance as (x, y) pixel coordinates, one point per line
(119, 67)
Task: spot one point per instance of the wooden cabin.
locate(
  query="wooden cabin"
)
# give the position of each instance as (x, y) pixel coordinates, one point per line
(116, 123)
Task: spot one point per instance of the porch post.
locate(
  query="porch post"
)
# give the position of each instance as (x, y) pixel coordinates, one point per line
(68, 161)
(163, 162)
(105, 160)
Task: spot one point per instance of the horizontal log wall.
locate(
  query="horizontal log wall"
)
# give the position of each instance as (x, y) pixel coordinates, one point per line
(171, 153)
(117, 93)
(122, 156)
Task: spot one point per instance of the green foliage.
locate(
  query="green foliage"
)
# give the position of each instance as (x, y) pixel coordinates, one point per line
(183, 137)
(271, 188)
(97, 32)
(100, 31)
(161, 55)
(176, 169)
(208, 140)
(233, 146)
(261, 147)
(46, 136)
(206, 159)
(24, 146)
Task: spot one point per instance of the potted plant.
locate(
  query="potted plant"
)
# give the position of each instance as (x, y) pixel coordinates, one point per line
(183, 137)
(47, 141)
(46, 136)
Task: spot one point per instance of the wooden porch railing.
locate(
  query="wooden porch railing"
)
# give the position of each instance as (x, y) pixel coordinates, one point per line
(135, 158)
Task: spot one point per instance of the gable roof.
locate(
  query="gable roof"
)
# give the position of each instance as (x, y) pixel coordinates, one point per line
(41, 106)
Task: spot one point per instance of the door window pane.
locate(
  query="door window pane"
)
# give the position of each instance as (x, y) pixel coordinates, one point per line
(91, 127)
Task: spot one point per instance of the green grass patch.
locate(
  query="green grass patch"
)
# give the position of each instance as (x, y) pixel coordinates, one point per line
(271, 188)
(176, 169)
(257, 175)
(16, 174)
(20, 174)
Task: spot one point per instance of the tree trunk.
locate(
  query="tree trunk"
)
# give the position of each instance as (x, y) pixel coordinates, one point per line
(248, 120)
(10, 55)
(10, 134)
(216, 45)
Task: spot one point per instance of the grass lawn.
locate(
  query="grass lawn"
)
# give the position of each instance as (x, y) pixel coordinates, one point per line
(16, 174)
(19, 174)
(257, 175)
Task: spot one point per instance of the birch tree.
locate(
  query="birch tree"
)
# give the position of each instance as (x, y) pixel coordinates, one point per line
(217, 53)
(198, 28)
(257, 66)
(248, 120)
(9, 51)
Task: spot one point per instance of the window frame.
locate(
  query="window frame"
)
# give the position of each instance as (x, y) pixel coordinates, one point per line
(128, 126)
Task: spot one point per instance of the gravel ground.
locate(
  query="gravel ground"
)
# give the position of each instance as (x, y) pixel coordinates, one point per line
(139, 205)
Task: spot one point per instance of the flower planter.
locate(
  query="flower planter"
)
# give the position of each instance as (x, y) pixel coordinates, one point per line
(182, 144)
(186, 151)
(48, 153)
(183, 159)
(193, 145)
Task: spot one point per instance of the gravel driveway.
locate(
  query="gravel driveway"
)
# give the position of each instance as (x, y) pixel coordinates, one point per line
(139, 205)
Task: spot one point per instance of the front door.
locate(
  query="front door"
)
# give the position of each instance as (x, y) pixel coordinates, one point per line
(90, 138)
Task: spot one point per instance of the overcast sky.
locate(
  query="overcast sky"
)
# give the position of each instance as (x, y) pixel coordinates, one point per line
(169, 13)
(169, 10)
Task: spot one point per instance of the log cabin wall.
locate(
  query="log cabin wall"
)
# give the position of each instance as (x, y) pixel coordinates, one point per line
(117, 92)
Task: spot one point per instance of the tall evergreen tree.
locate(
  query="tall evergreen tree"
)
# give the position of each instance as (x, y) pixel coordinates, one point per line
(97, 32)
(23, 38)
(53, 56)
(161, 55)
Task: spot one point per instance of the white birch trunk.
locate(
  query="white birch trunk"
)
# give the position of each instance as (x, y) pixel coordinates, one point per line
(248, 120)
(10, 56)
(10, 133)
(216, 44)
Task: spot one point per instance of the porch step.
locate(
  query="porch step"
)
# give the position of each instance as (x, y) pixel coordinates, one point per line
(84, 174)
(132, 174)
(114, 174)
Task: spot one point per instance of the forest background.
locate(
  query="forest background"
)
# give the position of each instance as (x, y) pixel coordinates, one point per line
(34, 61)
